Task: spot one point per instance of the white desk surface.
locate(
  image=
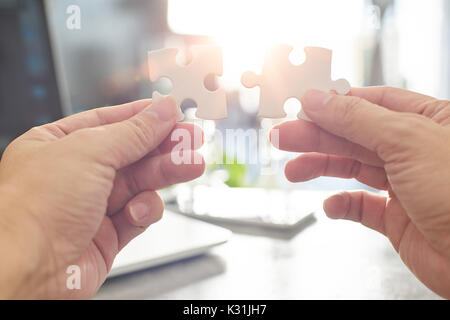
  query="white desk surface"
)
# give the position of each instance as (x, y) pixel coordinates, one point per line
(327, 260)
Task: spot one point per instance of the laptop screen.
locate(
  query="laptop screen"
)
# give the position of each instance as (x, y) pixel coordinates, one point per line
(28, 88)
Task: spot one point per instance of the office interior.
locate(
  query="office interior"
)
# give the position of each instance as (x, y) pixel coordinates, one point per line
(103, 62)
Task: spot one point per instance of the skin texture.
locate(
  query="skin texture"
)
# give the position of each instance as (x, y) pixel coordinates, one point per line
(390, 139)
(76, 191)
(72, 192)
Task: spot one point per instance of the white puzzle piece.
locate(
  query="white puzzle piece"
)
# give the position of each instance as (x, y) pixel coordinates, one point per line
(188, 81)
(281, 80)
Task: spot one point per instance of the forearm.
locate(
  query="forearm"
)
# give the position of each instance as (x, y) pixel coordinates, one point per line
(11, 266)
(18, 255)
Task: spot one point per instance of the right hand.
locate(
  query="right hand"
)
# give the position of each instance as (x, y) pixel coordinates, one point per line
(390, 139)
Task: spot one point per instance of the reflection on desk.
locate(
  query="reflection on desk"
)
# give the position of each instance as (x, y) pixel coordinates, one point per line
(328, 260)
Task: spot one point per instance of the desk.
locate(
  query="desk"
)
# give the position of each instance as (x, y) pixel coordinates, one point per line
(327, 260)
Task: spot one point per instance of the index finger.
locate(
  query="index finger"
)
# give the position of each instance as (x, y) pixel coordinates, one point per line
(100, 116)
(396, 99)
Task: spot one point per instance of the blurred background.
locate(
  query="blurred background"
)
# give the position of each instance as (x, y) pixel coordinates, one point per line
(102, 61)
(59, 57)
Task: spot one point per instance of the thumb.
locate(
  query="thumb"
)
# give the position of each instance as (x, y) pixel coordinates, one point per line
(359, 120)
(122, 143)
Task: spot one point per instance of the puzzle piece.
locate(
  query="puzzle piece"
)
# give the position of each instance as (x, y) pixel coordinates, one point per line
(280, 80)
(188, 81)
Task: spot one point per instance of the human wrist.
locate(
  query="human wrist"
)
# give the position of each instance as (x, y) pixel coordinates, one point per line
(20, 259)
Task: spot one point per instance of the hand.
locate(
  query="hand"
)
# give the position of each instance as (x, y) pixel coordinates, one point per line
(389, 139)
(76, 191)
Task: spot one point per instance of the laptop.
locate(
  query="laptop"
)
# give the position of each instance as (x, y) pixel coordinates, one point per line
(32, 93)
(29, 94)
(173, 238)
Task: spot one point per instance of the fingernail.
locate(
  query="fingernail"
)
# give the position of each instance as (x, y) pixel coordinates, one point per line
(314, 99)
(336, 206)
(274, 136)
(165, 109)
(139, 211)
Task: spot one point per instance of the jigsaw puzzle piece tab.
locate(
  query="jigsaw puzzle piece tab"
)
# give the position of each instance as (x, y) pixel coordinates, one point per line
(272, 87)
(268, 101)
(250, 79)
(161, 62)
(341, 86)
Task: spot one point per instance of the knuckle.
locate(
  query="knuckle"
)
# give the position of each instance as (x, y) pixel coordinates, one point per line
(346, 110)
(132, 183)
(403, 126)
(401, 132)
(441, 110)
(346, 113)
(35, 130)
(355, 169)
(144, 132)
(442, 104)
(355, 151)
(84, 133)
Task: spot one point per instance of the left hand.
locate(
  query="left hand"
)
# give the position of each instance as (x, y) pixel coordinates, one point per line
(76, 191)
